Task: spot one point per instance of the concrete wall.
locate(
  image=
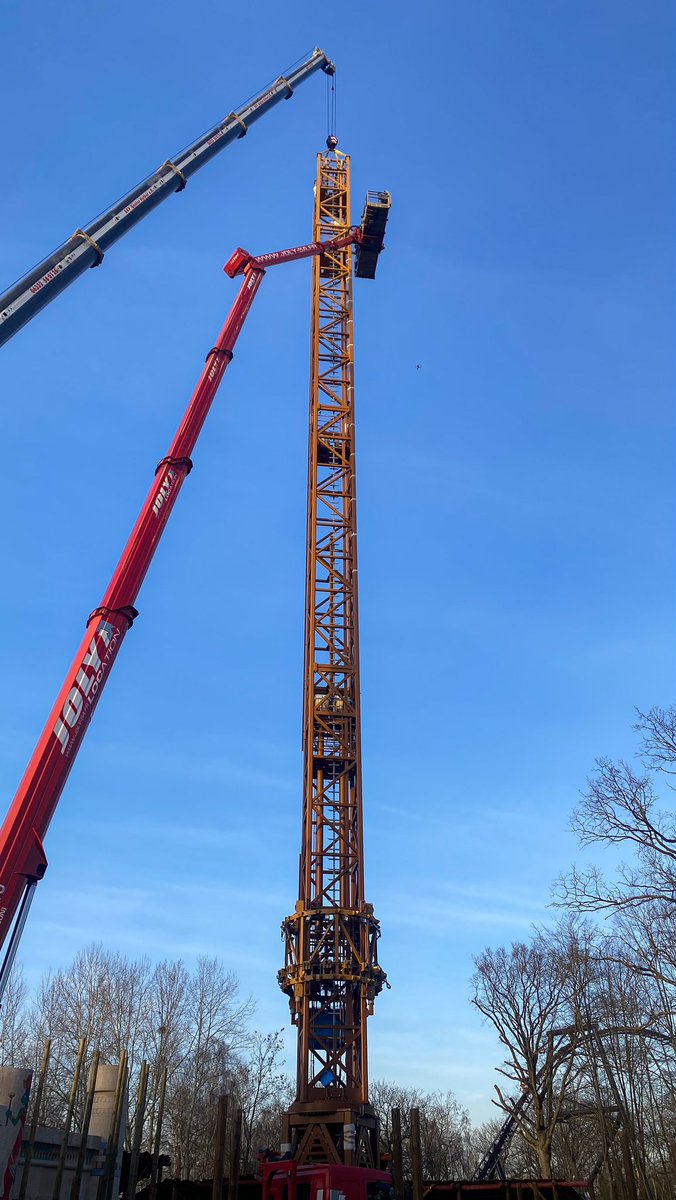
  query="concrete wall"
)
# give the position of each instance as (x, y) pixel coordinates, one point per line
(44, 1163)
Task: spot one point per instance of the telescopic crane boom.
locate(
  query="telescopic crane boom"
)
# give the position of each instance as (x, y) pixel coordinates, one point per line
(87, 246)
(22, 857)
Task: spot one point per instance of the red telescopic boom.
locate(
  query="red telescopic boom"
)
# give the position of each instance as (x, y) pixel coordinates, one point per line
(22, 857)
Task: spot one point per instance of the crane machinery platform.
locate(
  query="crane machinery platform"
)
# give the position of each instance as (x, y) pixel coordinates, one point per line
(372, 225)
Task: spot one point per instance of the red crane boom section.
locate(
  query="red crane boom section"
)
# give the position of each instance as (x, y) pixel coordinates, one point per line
(22, 856)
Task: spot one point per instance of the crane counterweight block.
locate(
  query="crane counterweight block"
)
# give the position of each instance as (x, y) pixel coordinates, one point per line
(371, 237)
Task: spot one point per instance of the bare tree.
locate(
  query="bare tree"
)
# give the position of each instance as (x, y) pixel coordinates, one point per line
(525, 993)
(194, 1025)
(15, 1047)
(216, 1033)
(620, 807)
(262, 1088)
(633, 1068)
(168, 1036)
(448, 1150)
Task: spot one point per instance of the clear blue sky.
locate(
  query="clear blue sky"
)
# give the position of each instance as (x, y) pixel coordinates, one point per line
(516, 517)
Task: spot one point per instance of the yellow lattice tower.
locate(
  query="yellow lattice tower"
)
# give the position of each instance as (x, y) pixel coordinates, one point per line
(331, 974)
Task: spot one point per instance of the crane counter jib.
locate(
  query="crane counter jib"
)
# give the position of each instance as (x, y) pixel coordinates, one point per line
(87, 247)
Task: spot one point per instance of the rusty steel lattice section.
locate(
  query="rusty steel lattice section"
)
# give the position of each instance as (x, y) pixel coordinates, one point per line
(331, 973)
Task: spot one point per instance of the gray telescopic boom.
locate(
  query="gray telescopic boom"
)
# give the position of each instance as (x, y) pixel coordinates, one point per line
(87, 246)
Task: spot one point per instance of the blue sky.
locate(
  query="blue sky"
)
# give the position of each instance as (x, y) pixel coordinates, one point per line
(515, 492)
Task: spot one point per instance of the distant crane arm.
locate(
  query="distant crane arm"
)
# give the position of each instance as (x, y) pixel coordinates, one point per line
(87, 246)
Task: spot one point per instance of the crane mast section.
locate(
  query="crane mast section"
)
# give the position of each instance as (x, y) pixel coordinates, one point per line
(331, 973)
(87, 246)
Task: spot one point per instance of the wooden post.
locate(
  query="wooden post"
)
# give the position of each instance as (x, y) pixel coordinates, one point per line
(235, 1153)
(416, 1156)
(69, 1117)
(138, 1131)
(107, 1181)
(397, 1157)
(117, 1121)
(79, 1167)
(156, 1170)
(219, 1148)
(34, 1120)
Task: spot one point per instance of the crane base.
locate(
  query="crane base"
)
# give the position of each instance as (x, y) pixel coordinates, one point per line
(346, 1136)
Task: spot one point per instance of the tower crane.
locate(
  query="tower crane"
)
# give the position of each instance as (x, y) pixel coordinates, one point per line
(87, 247)
(331, 973)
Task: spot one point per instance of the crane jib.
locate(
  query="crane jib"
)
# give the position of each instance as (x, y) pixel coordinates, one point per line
(87, 246)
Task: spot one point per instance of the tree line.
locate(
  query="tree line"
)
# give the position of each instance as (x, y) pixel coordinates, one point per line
(193, 1024)
(586, 1010)
(197, 1027)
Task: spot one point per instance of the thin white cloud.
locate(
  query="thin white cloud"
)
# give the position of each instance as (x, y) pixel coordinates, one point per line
(195, 767)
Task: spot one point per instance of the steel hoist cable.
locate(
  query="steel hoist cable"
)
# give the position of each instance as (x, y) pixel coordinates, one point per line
(331, 112)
